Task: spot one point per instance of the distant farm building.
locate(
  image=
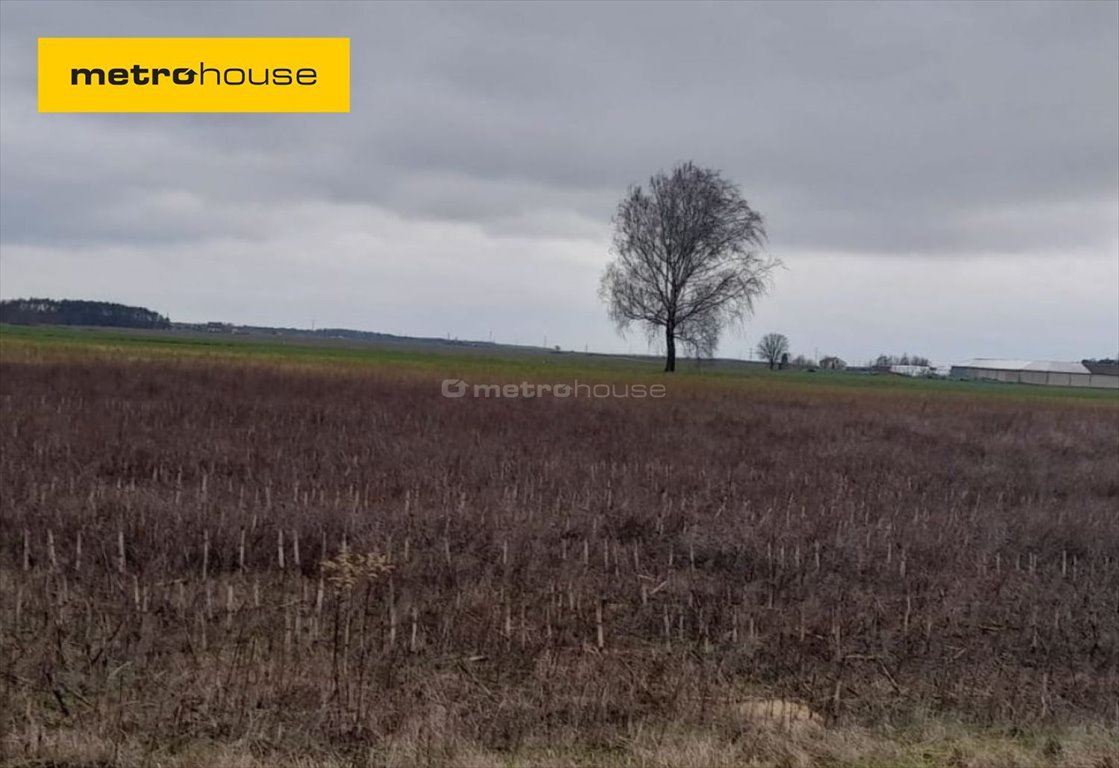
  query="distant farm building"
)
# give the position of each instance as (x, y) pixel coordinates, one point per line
(1045, 373)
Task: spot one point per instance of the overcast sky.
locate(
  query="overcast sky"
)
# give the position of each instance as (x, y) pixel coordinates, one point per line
(938, 178)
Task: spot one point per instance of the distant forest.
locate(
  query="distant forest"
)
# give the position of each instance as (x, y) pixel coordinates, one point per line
(69, 312)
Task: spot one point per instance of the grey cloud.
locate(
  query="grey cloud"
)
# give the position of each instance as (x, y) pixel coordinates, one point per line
(873, 128)
(858, 127)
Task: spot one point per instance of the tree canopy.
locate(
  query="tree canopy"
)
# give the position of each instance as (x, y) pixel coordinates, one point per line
(773, 347)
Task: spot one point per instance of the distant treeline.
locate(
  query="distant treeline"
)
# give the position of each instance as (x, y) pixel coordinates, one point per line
(346, 334)
(70, 312)
(886, 361)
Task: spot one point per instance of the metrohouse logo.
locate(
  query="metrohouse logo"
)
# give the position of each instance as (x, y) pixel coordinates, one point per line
(138, 75)
(179, 74)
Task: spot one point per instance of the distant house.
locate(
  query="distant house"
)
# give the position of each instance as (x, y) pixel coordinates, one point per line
(1040, 372)
(832, 363)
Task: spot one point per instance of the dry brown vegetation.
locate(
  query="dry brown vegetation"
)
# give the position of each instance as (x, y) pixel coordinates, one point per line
(217, 564)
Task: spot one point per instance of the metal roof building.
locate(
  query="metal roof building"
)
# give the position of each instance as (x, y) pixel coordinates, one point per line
(1042, 372)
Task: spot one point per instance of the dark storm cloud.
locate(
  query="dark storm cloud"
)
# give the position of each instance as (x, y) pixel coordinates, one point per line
(884, 128)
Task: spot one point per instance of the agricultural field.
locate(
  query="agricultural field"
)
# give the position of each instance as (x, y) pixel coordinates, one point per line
(248, 553)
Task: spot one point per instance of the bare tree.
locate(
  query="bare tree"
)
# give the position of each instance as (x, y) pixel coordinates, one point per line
(685, 261)
(773, 347)
(885, 361)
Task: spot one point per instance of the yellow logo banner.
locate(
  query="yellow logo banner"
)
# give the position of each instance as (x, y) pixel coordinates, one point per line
(194, 74)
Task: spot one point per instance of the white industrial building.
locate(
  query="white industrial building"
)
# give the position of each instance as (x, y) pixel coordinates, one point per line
(1043, 372)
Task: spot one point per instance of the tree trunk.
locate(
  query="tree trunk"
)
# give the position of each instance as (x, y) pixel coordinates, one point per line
(670, 349)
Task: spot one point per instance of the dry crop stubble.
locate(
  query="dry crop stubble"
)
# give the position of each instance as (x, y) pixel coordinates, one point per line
(565, 572)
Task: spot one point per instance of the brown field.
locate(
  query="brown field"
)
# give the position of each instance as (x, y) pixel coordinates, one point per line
(733, 575)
